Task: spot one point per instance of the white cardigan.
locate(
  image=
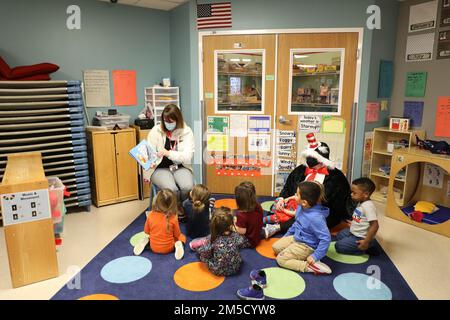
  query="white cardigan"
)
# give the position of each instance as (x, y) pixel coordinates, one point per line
(185, 147)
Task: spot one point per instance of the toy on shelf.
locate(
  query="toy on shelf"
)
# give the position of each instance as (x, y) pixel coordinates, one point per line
(57, 191)
(437, 147)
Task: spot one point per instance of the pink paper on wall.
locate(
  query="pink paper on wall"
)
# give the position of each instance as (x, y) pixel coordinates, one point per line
(443, 117)
(372, 111)
(124, 82)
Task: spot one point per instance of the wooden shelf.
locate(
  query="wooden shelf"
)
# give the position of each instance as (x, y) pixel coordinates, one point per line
(245, 74)
(382, 152)
(311, 104)
(315, 74)
(380, 174)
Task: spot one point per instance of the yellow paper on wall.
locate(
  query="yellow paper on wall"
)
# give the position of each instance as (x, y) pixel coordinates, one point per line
(333, 125)
(217, 142)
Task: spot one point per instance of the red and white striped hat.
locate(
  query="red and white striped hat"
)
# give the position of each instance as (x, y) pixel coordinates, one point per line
(312, 140)
(317, 150)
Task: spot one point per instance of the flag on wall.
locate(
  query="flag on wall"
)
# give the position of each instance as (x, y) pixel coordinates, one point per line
(214, 15)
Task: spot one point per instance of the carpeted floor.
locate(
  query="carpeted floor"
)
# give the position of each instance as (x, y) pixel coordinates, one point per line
(153, 276)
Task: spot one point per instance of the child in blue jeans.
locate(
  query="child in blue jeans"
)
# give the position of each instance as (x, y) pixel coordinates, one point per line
(359, 237)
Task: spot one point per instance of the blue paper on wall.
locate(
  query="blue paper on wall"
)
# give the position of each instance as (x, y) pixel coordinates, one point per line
(385, 79)
(414, 111)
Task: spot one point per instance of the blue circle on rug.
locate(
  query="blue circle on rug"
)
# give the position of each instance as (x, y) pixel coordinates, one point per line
(126, 269)
(358, 286)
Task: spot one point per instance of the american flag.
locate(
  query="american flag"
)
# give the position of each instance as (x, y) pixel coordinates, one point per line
(214, 15)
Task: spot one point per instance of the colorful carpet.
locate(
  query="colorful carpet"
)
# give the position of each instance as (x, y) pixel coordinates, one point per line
(115, 273)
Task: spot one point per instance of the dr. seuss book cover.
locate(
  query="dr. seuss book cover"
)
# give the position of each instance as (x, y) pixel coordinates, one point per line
(145, 154)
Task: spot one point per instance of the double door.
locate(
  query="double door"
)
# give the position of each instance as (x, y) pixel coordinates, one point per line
(263, 93)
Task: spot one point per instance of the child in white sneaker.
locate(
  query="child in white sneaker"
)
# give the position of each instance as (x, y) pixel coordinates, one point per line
(162, 227)
(277, 216)
(308, 239)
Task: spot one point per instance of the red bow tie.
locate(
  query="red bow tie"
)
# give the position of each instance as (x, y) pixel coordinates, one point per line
(313, 172)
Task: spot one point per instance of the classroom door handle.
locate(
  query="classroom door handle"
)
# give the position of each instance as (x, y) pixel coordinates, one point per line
(283, 120)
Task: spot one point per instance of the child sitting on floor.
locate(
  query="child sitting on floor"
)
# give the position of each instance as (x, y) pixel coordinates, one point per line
(307, 240)
(249, 214)
(278, 216)
(220, 250)
(364, 226)
(162, 227)
(198, 210)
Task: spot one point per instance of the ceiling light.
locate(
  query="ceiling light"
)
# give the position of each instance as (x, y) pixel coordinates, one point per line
(299, 56)
(235, 59)
(306, 65)
(246, 59)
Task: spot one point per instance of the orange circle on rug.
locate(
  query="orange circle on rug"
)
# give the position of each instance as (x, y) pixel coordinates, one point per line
(264, 248)
(195, 276)
(99, 296)
(230, 203)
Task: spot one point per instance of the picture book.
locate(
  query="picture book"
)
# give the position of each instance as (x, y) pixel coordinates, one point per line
(145, 154)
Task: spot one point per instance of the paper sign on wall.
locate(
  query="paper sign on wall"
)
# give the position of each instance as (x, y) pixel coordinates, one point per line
(372, 111)
(368, 144)
(286, 140)
(333, 125)
(419, 47)
(260, 142)
(443, 51)
(238, 125)
(286, 154)
(423, 16)
(414, 111)
(445, 13)
(285, 165)
(442, 128)
(309, 123)
(96, 88)
(416, 83)
(124, 87)
(259, 124)
(286, 147)
(384, 105)
(385, 79)
(218, 124)
(217, 142)
(433, 176)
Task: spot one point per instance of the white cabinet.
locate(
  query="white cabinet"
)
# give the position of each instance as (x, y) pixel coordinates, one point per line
(156, 98)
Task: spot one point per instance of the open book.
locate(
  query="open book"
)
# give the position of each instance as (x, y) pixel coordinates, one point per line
(145, 154)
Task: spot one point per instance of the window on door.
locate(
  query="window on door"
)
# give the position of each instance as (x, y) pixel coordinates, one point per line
(316, 81)
(239, 85)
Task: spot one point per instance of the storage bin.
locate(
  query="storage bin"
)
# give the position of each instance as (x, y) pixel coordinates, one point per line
(110, 121)
(57, 207)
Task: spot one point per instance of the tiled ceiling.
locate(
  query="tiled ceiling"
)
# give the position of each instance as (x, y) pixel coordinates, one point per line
(153, 4)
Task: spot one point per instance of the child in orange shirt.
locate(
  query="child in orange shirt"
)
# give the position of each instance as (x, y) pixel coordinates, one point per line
(162, 227)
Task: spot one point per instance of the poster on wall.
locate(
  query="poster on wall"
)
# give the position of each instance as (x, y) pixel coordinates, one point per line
(259, 142)
(442, 129)
(416, 83)
(384, 105)
(419, 47)
(218, 125)
(309, 123)
(217, 142)
(238, 125)
(259, 124)
(433, 176)
(423, 16)
(445, 13)
(443, 51)
(385, 79)
(96, 88)
(285, 165)
(332, 124)
(124, 82)
(368, 145)
(414, 111)
(372, 111)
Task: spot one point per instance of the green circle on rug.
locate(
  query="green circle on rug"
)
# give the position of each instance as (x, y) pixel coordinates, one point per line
(266, 205)
(345, 258)
(137, 237)
(283, 284)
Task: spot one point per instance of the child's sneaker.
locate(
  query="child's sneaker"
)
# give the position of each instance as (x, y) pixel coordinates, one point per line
(270, 230)
(259, 277)
(319, 268)
(140, 246)
(254, 292)
(197, 243)
(179, 250)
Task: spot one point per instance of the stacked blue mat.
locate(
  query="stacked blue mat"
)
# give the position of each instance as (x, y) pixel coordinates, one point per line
(47, 116)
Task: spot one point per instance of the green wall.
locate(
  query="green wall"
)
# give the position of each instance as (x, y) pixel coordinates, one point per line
(112, 36)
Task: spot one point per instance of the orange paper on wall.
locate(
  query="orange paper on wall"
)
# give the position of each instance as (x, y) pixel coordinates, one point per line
(443, 117)
(124, 87)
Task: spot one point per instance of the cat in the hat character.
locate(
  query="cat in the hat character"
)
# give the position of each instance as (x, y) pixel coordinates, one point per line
(320, 168)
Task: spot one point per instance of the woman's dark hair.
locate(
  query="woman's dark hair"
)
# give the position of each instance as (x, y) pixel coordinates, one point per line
(312, 192)
(245, 196)
(221, 222)
(172, 112)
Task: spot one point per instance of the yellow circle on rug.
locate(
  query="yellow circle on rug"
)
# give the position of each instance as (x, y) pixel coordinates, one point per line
(195, 276)
(99, 296)
(283, 284)
(266, 205)
(229, 203)
(264, 248)
(345, 258)
(137, 238)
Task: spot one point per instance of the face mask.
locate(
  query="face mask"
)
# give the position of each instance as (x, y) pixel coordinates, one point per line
(311, 162)
(170, 125)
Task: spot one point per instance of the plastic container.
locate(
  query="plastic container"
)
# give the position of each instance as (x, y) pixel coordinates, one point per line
(110, 121)
(57, 207)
